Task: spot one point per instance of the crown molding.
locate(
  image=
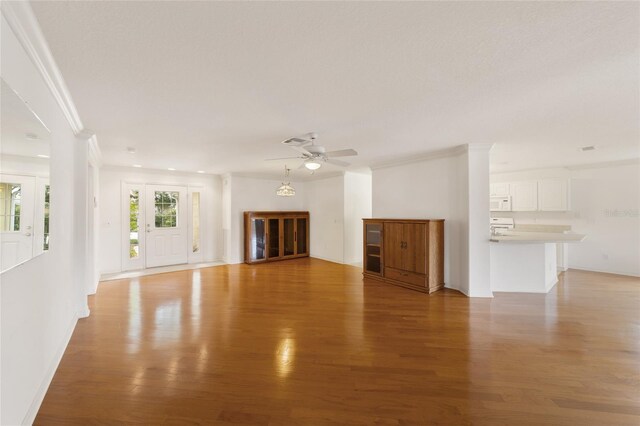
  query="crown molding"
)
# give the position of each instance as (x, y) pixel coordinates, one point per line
(23, 23)
(292, 176)
(432, 155)
(616, 163)
(597, 165)
(129, 169)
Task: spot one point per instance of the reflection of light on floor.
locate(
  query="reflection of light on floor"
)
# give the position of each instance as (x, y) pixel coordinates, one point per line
(135, 317)
(138, 380)
(285, 355)
(196, 288)
(202, 358)
(172, 372)
(168, 323)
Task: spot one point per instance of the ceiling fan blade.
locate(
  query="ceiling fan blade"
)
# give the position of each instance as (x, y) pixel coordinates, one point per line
(302, 150)
(337, 162)
(295, 142)
(283, 158)
(341, 153)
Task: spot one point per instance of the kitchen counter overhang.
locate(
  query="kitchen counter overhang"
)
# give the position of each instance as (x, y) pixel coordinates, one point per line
(537, 237)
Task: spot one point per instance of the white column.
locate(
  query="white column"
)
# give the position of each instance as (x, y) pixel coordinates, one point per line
(80, 187)
(478, 233)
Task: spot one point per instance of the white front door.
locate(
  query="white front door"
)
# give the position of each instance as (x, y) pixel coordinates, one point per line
(167, 227)
(17, 201)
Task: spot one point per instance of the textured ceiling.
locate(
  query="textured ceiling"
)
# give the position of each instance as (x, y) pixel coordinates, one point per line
(216, 86)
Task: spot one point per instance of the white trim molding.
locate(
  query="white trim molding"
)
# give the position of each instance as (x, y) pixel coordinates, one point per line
(431, 155)
(21, 19)
(95, 155)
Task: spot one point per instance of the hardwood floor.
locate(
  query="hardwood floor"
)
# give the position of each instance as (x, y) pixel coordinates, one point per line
(306, 342)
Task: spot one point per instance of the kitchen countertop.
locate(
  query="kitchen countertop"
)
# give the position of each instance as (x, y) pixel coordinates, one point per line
(537, 237)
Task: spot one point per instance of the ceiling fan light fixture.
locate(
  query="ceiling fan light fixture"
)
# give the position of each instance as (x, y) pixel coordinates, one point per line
(312, 164)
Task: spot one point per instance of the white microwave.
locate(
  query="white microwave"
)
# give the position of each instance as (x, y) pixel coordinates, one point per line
(500, 204)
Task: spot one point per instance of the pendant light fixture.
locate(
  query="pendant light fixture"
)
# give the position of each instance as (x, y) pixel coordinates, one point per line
(286, 190)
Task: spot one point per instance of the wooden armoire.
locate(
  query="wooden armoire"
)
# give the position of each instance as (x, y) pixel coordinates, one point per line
(405, 252)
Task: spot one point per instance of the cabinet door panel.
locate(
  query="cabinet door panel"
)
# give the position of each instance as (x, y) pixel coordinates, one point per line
(301, 236)
(373, 252)
(288, 236)
(393, 237)
(274, 237)
(524, 196)
(499, 189)
(552, 195)
(258, 239)
(414, 251)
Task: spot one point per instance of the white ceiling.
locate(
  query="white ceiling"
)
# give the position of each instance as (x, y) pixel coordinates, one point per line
(216, 86)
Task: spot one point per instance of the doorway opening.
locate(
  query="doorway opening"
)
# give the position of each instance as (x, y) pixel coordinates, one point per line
(161, 225)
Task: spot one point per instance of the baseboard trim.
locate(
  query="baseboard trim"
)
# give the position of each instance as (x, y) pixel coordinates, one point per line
(326, 259)
(601, 271)
(30, 417)
(456, 289)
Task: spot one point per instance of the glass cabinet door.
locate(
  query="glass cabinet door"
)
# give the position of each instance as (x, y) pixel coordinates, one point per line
(258, 239)
(373, 245)
(301, 235)
(289, 236)
(274, 238)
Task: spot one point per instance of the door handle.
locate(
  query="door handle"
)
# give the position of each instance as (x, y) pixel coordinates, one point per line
(28, 234)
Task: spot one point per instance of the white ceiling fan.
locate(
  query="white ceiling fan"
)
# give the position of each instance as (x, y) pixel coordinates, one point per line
(314, 155)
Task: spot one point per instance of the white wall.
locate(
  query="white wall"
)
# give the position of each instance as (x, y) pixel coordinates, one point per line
(252, 194)
(40, 299)
(604, 200)
(452, 188)
(324, 198)
(111, 178)
(357, 205)
(12, 164)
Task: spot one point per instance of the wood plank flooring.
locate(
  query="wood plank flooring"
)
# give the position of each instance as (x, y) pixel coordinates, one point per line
(307, 342)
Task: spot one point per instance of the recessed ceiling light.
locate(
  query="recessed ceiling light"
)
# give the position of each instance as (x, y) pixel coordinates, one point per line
(137, 165)
(588, 148)
(200, 171)
(131, 150)
(43, 156)
(171, 169)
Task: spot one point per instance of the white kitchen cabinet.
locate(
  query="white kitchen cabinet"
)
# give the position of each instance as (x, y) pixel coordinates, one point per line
(524, 196)
(552, 195)
(499, 189)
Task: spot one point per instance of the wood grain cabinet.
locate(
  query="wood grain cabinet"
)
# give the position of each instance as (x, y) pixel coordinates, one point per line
(405, 252)
(275, 235)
